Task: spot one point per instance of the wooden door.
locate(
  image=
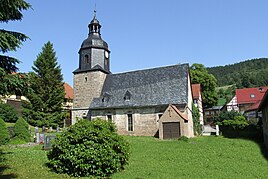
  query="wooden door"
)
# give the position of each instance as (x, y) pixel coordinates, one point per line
(171, 130)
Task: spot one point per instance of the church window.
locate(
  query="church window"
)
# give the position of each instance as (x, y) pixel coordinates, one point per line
(86, 79)
(127, 96)
(109, 117)
(86, 60)
(130, 122)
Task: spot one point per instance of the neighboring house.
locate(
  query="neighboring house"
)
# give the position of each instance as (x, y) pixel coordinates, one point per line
(232, 105)
(68, 98)
(213, 112)
(248, 100)
(197, 98)
(16, 101)
(263, 107)
(134, 100)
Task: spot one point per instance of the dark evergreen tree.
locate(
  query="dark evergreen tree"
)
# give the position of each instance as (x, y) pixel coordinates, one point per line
(199, 75)
(10, 41)
(47, 90)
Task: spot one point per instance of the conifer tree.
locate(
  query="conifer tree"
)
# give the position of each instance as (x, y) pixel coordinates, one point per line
(4, 134)
(10, 41)
(47, 90)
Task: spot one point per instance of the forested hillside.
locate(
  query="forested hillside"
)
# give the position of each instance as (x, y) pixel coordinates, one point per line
(250, 73)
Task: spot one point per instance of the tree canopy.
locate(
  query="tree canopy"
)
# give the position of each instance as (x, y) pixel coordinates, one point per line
(250, 73)
(10, 41)
(199, 75)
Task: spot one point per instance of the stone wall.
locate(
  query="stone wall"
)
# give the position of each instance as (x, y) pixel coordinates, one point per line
(145, 120)
(87, 85)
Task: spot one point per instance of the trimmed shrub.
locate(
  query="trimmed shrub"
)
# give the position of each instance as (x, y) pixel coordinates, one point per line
(21, 130)
(8, 113)
(4, 134)
(89, 148)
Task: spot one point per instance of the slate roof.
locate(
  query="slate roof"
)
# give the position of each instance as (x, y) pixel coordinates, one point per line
(150, 87)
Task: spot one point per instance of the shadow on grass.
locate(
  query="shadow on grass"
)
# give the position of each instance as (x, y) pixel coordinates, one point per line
(252, 133)
(4, 167)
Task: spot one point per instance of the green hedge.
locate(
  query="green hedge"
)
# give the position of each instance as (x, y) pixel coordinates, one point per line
(21, 130)
(8, 113)
(4, 134)
(89, 148)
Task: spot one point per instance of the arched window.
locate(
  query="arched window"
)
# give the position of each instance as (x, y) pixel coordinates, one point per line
(86, 60)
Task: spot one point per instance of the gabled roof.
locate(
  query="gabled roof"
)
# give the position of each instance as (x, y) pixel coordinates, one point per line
(250, 95)
(196, 89)
(69, 92)
(179, 113)
(150, 87)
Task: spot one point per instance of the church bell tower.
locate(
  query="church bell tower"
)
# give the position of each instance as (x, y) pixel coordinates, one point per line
(94, 65)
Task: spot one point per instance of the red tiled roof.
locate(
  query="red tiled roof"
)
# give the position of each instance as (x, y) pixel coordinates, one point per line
(255, 106)
(69, 92)
(250, 95)
(179, 113)
(196, 90)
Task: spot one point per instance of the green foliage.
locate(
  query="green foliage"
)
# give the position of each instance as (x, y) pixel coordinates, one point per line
(239, 122)
(199, 75)
(10, 41)
(196, 120)
(4, 134)
(250, 73)
(47, 90)
(183, 138)
(89, 148)
(8, 113)
(232, 119)
(21, 130)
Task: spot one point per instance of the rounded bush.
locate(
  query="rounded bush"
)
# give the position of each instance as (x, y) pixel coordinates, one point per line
(21, 130)
(8, 113)
(4, 134)
(89, 148)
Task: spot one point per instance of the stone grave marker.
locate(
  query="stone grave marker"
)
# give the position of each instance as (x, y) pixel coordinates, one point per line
(48, 141)
(41, 138)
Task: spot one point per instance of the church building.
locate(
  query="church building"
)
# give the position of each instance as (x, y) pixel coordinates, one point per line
(150, 102)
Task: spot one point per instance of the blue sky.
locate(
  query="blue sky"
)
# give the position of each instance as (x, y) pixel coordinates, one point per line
(147, 33)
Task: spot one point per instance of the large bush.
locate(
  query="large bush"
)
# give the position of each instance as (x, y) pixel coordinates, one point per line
(4, 134)
(8, 113)
(21, 130)
(89, 148)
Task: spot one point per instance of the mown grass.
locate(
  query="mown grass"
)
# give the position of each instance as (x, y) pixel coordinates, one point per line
(202, 157)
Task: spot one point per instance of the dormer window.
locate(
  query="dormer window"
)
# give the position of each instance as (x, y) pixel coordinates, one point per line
(105, 97)
(252, 95)
(127, 96)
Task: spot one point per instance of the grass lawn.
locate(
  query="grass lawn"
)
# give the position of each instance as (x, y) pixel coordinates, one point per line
(202, 157)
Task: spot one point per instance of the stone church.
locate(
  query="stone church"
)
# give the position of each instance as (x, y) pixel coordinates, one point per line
(150, 102)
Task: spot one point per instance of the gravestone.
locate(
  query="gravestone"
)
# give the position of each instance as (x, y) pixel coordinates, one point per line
(48, 141)
(50, 129)
(41, 138)
(58, 129)
(37, 138)
(43, 129)
(36, 129)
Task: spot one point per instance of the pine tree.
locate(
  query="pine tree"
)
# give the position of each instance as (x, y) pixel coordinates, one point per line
(47, 90)
(10, 41)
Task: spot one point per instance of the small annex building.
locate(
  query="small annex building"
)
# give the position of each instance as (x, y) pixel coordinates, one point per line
(135, 100)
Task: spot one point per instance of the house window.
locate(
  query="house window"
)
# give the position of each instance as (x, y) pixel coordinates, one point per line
(252, 95)
(195, 101)
(109, 117)
(130, 122)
